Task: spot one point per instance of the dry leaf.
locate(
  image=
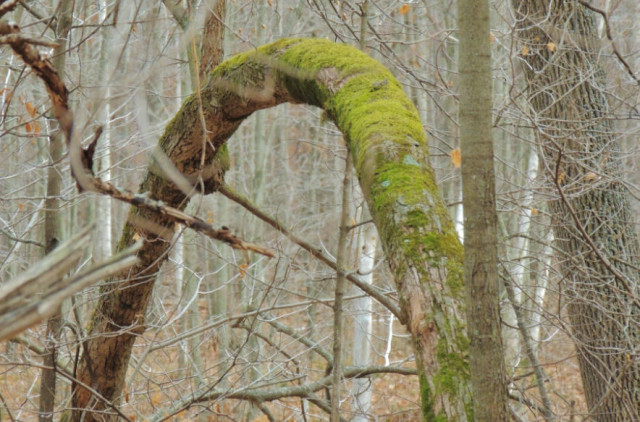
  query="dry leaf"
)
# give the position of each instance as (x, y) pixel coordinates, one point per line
(589, 177)
(31, 109)
(551, 47)
(270, 3)
(156, 398)
(21, 206)
(404, 9)
(27, 126)
(36, 128)
(561, 177)
(534, 211)
(525, 51)
(492, 38)
(456, 157)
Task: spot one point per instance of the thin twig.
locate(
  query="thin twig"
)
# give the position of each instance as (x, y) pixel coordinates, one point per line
(17, 239)
(316, 252)
(607, 27)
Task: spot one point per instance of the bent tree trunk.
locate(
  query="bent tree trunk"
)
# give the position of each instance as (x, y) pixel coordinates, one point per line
(388, 146)
(591, 212)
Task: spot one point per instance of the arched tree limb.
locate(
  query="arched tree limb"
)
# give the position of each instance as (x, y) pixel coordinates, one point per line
(388, 147)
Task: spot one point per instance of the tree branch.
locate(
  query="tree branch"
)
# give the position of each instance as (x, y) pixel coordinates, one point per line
(37, 293)
(316, 252)
(261, 395)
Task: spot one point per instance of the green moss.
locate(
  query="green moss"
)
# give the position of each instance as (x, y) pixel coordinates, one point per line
(222, 157)
(454, 366)
(388, 144)
(426, 400)
(252, 56)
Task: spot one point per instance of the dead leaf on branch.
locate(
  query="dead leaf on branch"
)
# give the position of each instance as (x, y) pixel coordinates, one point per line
(456, 157)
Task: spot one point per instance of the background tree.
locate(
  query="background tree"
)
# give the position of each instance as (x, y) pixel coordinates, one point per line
(488, 375)
(591, 213)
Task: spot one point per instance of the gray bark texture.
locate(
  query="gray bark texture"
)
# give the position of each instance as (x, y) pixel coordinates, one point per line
(488, 374)
(591, 214)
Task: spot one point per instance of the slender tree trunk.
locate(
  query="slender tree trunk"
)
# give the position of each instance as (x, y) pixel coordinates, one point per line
(342, 259)
(52, 229)
(103, 203)
(212, 50)
(592, 218)
(363, 321)
(488, 374)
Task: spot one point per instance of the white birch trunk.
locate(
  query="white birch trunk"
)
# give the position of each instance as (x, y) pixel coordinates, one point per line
(363, 323)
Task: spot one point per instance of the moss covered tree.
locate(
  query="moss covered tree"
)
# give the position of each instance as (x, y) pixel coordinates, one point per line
(387, 142)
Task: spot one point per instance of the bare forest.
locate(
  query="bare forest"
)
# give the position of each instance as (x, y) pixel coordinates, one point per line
(319, 210)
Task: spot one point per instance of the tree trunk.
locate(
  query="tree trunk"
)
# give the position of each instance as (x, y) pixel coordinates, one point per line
(388, 146)
(488, 374)
(592, 218)
(52, 229)
(362, 388)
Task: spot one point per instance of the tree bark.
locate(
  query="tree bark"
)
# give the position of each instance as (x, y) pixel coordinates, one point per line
(592, 218)
(52, 229)
(488, 374)
(388, 146)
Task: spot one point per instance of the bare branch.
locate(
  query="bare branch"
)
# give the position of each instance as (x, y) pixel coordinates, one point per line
(8, 6)
(316, 252)
(261, 395)
(44, 70)
(15, 38)
(17, 239)
(607, 26)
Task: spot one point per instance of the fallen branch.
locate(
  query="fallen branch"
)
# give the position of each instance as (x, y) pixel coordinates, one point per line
(175, 215)
(37, 293)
